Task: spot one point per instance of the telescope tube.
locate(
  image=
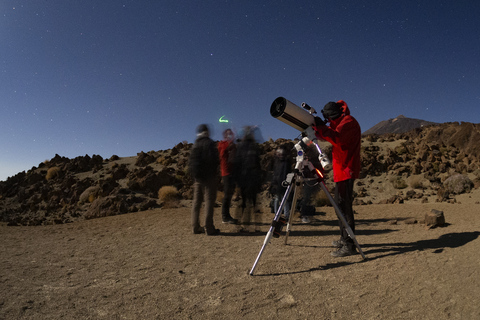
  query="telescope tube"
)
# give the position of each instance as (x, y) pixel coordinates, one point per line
(291, 114)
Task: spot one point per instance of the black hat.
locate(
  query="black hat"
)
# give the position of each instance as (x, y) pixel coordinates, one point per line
(332, 110)
(202, 128)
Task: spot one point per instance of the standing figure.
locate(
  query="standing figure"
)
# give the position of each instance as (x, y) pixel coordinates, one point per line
(203, 167)
(281, 168)
(249, 178)
(227, 149)
(344, 134)
(310, 185)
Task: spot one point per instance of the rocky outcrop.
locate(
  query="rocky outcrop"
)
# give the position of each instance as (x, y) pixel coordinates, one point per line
(440, 160)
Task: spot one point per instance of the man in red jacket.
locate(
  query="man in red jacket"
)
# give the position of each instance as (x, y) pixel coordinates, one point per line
(226, 150)
(345, 136)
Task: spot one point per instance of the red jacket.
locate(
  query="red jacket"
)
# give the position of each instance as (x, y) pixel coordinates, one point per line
(226, 151)
(345, 136)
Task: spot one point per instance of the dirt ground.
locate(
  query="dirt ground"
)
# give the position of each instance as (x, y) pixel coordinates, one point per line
(149, 265)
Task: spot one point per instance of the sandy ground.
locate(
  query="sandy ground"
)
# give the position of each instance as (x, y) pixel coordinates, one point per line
(149, 265)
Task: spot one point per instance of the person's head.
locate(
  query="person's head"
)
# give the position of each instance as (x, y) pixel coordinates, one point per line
(332, 110)
(228, 135)
(248, 133)
(281, 152)
(203, 131)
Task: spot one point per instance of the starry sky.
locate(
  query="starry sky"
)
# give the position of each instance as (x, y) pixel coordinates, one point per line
(116, 77)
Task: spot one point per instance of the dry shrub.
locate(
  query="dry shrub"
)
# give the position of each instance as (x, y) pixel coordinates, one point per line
(52, 173)
(168, 194)
(320, 199)
(398, 183)
(165, 161)
(90, 194)
(416, 182)
(401, 150)
(92, 198)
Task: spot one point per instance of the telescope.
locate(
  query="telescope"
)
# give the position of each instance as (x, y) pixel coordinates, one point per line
(300, 119)
(291, 114)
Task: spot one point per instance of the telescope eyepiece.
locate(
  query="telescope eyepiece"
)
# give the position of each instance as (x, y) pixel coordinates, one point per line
(308, 108)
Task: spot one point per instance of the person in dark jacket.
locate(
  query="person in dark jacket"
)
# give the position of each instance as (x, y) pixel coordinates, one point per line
(310, 186)
(281, 168)
(203, 165)
(344, 134)
(248, 175)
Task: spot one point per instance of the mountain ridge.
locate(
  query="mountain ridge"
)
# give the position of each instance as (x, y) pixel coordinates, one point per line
(400, 124)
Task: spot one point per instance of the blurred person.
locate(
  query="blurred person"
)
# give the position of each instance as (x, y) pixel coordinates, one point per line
(203, 165)
(282, 166)
(344, 134)
(226, 150)
(248, 175)
(310, 185)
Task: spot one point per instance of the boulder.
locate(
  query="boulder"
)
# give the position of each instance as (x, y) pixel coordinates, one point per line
(434, 218)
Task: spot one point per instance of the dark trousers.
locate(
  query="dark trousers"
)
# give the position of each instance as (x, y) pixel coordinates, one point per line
(247, 207)
(344, 199)
(228, 190)
(308, 191)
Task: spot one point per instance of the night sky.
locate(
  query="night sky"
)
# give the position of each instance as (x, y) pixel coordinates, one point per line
(119, 77)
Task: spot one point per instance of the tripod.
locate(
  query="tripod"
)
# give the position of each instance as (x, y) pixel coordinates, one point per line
(292, 181)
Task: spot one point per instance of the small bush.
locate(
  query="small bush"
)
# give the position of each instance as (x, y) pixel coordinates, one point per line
(401, 150)
(90, 194)
(92, 197)
(165, 161)
(398, 183)
(168, 194)
(416, 182)
(320, 199)
(52, 173)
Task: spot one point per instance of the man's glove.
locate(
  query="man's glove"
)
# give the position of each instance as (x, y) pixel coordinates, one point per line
(319, 122)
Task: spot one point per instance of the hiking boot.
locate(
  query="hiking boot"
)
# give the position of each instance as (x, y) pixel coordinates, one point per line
(338, 243)
(305, 219)
(344, 251)
(230, 220)
(214, 232)
(198, 230)
(244, 230)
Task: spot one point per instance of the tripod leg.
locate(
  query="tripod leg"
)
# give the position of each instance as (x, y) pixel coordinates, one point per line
(292, 211)
(342, 218)
(274, 224)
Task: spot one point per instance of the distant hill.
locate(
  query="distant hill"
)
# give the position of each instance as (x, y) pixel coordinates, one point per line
(400, 124)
